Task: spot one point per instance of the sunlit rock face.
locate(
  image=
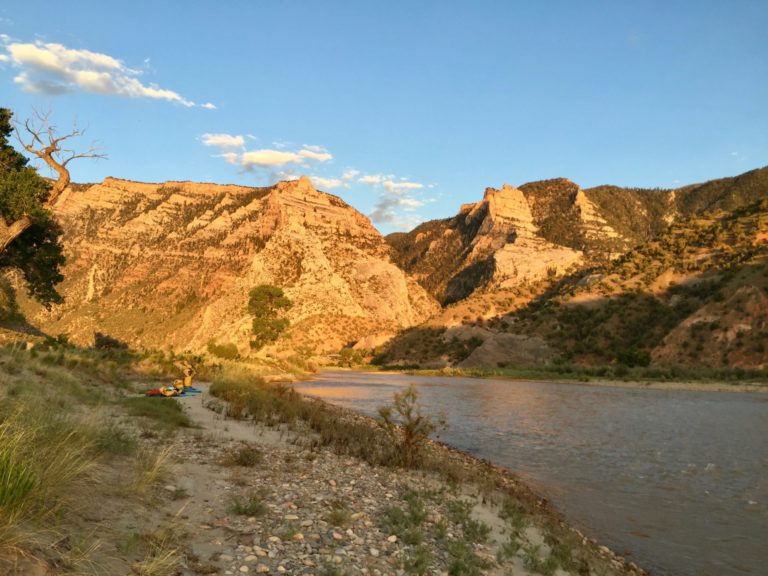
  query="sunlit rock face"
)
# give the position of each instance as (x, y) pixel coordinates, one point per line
(170, 265)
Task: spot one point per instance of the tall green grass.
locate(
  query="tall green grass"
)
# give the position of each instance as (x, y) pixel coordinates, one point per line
(43, 456)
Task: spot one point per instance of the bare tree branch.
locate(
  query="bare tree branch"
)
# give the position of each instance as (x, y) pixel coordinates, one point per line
(43, 142)
(51, 152)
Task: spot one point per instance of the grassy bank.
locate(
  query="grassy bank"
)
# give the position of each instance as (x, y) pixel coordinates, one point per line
(67, 444)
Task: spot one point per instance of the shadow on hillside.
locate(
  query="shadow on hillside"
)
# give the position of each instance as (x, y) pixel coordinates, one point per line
(11, 317)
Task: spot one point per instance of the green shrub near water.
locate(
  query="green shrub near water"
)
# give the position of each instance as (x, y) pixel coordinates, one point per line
(250, 396)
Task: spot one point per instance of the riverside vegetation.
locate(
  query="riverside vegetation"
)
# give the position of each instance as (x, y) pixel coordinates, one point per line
(95, 479)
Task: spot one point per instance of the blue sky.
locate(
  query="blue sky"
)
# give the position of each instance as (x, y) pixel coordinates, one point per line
(404, 109)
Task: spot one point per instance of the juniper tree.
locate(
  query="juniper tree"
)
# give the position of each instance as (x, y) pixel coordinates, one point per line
(29, 233)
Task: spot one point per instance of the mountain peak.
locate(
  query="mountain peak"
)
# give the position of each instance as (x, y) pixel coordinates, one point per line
(301, 186)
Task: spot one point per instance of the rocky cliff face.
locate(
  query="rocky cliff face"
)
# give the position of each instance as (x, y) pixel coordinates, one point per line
(499, 241)
(544, 228)
(171, 264)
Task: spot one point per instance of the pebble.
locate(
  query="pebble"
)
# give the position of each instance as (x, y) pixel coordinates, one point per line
(374, 552)
(392, 539)
(244, 569)
(262, 569)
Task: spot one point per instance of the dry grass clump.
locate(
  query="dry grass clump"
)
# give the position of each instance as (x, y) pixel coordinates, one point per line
(152, 467)
(43, 456)
(52, 441)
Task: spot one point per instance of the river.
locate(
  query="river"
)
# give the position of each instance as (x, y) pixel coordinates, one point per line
(675, 480)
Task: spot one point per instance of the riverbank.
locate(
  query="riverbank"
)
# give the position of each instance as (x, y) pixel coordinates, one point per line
(265, 483)
(520, 532)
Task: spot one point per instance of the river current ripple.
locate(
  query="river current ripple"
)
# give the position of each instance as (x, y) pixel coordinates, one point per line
(674, 480)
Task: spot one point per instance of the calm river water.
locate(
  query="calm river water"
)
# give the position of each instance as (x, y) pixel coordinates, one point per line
(675, 480)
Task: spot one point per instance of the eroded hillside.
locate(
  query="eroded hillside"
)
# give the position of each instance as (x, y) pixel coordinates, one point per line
(171, 264)
(541, 229)
(695, 295)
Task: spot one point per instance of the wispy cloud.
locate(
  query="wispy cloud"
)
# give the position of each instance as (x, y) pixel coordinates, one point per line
(374, 179)
(399, 188)
(328, 183)
(396, 203)
(267, 158)
(270, 158)
(396, 212)
(320, 155)
(223, 140)
(54, 69)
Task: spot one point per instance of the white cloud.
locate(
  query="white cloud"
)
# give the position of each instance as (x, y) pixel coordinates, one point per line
(208, 106)
(401, 187)
(267, 158)
(314, 154)
(396, 205)
(4, 58)
(51, 68)
(350, 174)
(373, 179)
(276, 157)
(223, 140)
(328, 183)
(410, 203)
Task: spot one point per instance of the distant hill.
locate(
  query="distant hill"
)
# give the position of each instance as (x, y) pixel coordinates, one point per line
(642, 268)
(543, 228)
(170, 265)
(694, 295)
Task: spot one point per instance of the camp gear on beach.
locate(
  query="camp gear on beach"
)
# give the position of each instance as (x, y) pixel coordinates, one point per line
(182, 387)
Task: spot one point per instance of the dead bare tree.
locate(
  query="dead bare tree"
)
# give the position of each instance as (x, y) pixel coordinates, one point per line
(39, 137)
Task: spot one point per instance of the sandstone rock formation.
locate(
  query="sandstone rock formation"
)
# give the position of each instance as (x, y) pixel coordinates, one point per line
(171, 264)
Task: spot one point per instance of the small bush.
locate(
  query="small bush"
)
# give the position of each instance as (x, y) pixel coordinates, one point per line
(339, 515)
(226, 351)
(250, 506)
(414, 429)
(246, 456)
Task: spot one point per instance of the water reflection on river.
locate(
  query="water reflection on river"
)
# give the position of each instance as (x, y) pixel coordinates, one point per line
(675, 480)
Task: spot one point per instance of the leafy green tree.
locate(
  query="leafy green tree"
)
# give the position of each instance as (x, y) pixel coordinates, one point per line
(267, 304)
(29, 236)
